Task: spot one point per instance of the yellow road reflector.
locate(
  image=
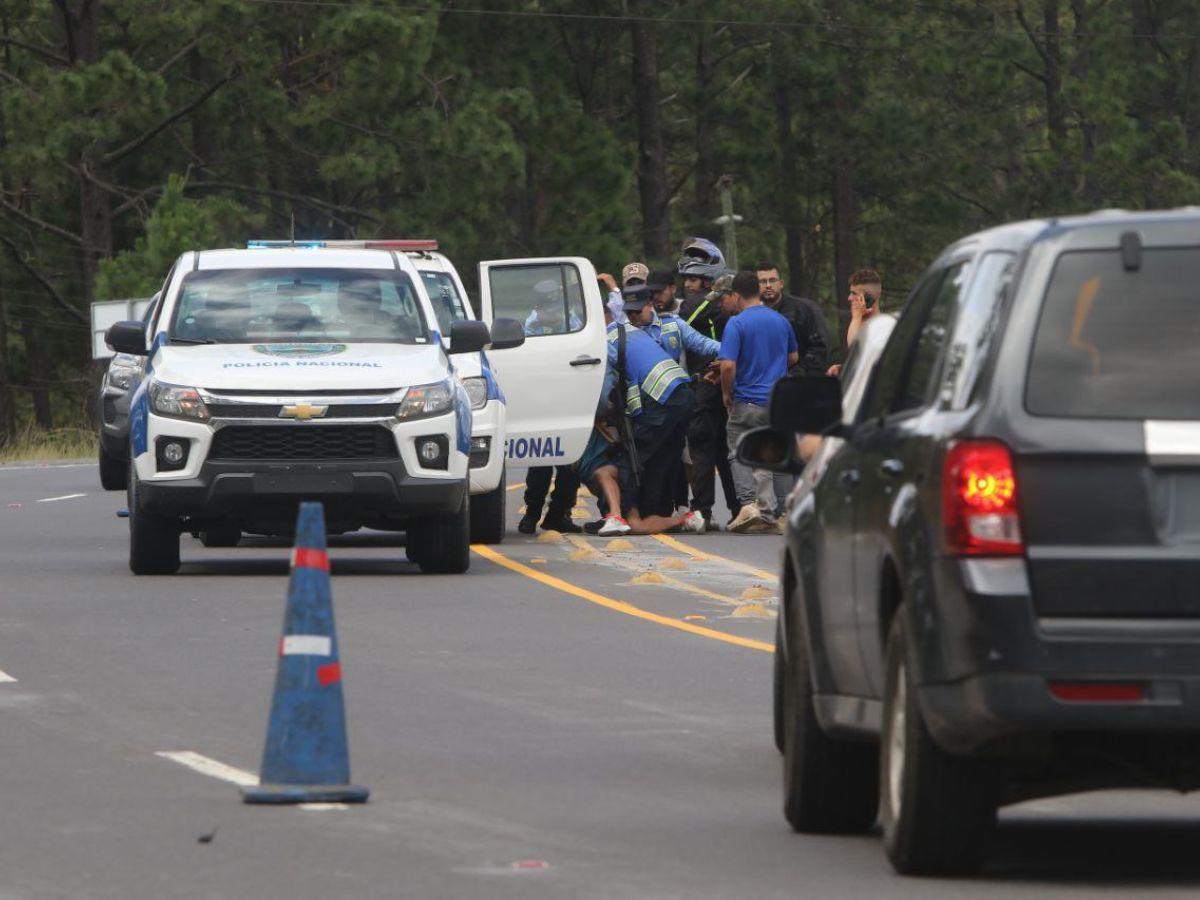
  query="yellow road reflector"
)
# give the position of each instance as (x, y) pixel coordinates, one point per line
(695, 618)
(620, 606)
(538, 561)
(673, 564)
(751, 611)
(703, 554)
(619, 544)
(549, 536)
(583, 554)
(648, 578)
(756, 592)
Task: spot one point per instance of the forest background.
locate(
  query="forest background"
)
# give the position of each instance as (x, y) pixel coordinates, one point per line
(856, 132)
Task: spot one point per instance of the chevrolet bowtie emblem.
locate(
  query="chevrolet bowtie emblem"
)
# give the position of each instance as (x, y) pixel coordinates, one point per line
(303, 412)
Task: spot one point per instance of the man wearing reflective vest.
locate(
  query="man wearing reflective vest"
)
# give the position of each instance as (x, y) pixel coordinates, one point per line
(658, 403)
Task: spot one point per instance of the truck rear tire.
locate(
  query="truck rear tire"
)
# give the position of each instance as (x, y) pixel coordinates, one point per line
(444, 542)
(938, 810)
(830, 786)
(221, 536)
(114, 472)
(153, 539)
(487, 515)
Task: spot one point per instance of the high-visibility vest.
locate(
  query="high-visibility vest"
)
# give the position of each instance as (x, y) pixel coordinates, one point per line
(648, 367)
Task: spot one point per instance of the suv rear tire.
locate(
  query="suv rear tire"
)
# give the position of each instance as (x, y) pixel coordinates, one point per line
(487, 514)
(829, 786)
(938, 810)
(114, 472)
(444, 542)
(153, 539)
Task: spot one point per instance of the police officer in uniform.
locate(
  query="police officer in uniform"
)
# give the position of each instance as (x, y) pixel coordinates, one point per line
(550, 316)
(658, 403)
(705, 279)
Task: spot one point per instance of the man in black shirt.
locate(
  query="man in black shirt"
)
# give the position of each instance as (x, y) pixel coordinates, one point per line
(804, 315)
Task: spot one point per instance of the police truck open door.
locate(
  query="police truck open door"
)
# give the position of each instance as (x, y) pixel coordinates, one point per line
(551, 383)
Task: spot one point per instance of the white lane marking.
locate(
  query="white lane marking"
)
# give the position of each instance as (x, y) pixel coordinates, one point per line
(5, 678)
(4, 468)
(63, 497)
(210, 767)
(214, 768)
(306, 645)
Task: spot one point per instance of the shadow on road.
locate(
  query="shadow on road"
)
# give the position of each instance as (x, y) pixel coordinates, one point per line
(1124, 852)
(232, 566)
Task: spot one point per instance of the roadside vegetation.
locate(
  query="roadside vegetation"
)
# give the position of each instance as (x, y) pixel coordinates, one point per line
(33, 444)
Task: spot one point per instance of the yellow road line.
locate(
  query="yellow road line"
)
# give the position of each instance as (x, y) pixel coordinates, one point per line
(490, 553)
(515, 487)
(667, 580)
(703, 554)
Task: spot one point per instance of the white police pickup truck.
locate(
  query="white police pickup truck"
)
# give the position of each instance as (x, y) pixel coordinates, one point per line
(277, 374)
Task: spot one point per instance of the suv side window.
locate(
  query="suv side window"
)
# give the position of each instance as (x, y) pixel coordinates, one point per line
(920, 379)
(890, 367)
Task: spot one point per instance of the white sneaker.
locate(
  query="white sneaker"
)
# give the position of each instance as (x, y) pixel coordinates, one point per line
(614, 524)
(694, 522)
(748, 517)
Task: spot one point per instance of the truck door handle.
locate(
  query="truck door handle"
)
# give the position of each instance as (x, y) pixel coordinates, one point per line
(850, 478)
(585, 361)
(891, 468)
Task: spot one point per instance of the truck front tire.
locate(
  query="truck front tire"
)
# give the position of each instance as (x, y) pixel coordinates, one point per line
(443, 542)
(153, 539)
(487, 514)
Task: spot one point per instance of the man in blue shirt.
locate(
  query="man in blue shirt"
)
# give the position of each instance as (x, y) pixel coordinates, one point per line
(757, 349)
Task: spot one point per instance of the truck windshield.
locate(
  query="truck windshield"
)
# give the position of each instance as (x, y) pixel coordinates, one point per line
(1117, 344)
(242, 306)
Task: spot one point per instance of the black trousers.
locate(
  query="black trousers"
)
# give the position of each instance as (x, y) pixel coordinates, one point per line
(659, 434)
(562, 501)
(709, 449)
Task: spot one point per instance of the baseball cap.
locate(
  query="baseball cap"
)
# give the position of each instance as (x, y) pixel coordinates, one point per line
(635, 296)
(658, 279)
(635, 270)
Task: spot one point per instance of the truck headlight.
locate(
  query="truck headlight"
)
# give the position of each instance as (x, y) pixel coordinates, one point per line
(477, 390)
(427, 400)
(176, 401)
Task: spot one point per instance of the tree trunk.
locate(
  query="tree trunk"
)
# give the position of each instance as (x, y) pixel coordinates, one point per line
(652, 163)
(8, 409)
(706, 164)
(789, 175)
(35, 358)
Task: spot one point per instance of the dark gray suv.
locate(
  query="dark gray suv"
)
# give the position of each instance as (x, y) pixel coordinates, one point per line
(992, 591)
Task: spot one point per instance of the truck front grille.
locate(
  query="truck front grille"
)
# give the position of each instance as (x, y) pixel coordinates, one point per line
(301, 442)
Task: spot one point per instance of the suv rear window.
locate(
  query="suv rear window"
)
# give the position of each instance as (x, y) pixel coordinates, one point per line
(1113, 344)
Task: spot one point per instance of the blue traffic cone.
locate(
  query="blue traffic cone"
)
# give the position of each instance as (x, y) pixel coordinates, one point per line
(306, 758)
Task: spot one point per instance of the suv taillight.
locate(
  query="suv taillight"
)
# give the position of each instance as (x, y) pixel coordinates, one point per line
(979, 498)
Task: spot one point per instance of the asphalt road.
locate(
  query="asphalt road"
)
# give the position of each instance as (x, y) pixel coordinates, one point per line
(552, 724)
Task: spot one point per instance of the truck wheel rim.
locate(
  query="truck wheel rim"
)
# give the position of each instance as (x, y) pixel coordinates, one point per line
(896, 748)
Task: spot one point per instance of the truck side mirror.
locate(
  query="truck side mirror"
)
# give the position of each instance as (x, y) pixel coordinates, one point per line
(127, 337)
(808, 404)
(467, 336)
(506, 334)
(770, 448)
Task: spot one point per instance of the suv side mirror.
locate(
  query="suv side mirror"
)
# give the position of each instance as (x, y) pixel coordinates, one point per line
(770, 448)
(506, 334)
(468, 336)
(806, 404)
(127, 337)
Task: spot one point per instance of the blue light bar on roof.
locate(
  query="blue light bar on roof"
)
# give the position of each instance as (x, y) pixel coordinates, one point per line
(283, 245)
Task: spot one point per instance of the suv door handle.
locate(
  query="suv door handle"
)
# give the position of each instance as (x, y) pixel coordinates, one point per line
(891, 468)
(850, 478)
(585, 361)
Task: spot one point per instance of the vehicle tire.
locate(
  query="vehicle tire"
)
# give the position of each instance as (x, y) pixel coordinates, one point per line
(445, 544)
(221, 536)
(830, 786)
(938, 810)
(778, 675)
(114, 472)
(488, 515)
(153, 539)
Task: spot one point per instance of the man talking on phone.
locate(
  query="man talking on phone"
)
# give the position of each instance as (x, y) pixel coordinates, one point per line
(866, 293)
